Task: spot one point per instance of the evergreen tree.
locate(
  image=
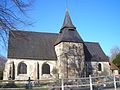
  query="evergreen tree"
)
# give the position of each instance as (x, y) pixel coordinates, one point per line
(116, 61)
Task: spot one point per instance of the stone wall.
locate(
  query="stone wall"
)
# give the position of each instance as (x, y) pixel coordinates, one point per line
(105, 68)
(31, 69)
(70, 58)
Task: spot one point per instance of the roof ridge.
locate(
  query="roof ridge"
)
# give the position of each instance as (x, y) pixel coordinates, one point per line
(34, 32)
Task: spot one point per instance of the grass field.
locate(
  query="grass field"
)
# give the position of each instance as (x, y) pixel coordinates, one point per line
(24, 89)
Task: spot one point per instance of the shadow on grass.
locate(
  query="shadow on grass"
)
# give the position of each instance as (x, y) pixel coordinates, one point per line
(10, 85)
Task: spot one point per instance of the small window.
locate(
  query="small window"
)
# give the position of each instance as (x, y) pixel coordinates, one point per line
(45, 69)
(22, 68)
(99, 67)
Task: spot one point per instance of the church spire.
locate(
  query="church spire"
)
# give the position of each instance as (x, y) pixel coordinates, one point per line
(68, 32)
(67, 21)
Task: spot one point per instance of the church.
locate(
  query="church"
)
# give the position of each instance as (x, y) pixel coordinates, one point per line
(40, 55)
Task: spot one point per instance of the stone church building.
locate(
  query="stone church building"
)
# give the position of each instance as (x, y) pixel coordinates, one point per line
(65, 54)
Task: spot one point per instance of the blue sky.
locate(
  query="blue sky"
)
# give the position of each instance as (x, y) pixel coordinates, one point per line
(95, 20)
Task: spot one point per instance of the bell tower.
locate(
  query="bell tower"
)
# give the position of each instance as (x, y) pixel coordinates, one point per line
(69, 50)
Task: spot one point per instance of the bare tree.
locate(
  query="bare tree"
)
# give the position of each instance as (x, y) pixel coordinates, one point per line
(10, 11)
(114, 52)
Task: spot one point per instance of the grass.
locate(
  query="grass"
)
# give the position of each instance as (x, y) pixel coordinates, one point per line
(37, 89)
(26, 89)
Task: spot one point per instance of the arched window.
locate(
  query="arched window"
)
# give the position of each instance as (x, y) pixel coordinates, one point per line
(45, 69)
(99, 67)
(22, 68)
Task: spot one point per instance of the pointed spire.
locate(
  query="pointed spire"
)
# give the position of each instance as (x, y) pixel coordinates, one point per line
(68, 32)
(67, 21)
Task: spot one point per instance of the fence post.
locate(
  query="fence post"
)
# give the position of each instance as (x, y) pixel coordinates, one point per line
(115, 83)
(62, 84)
(91, 88)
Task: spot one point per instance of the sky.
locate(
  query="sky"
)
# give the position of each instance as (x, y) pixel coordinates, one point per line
(95, 20)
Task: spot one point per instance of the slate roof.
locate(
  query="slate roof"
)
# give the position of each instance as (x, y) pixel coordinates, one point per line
(68, 36)
(67, 22)
(32, 45)
(93, 52)
(40, 46)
